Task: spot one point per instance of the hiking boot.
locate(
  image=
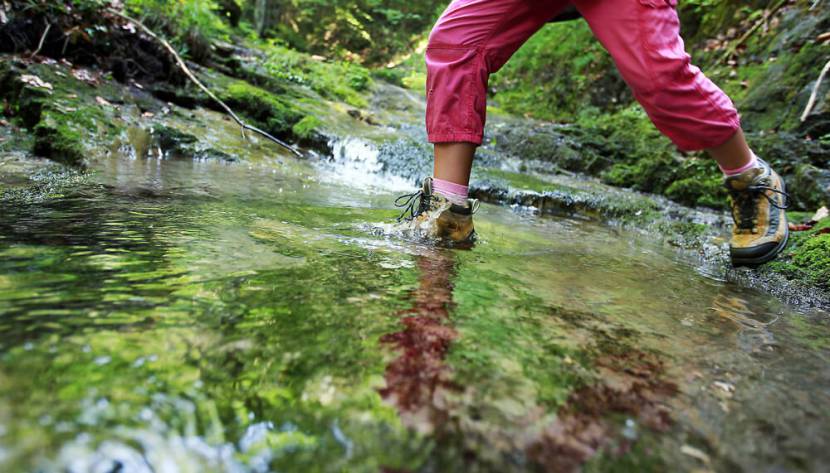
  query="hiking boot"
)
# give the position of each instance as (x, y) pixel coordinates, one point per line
(433, 216)
(758, 199)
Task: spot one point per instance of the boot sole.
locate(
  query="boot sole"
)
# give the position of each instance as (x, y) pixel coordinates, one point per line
(759, 260)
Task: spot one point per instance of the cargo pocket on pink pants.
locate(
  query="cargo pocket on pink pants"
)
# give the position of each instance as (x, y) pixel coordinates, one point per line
(659, 24)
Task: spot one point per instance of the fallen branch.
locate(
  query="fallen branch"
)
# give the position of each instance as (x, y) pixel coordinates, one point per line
(814, 93)
(764, 18)
(192, 77)
(42, 40)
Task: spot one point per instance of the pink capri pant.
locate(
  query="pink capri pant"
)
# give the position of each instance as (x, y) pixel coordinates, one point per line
(475, 38)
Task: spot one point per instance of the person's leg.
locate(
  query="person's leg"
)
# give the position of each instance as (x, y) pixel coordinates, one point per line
(453, 161)
(734, 156)
(643, 37)
(471, 40)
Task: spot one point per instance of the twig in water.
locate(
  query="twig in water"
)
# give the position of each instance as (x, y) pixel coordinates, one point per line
(192, 77)
(733, 47)
(42, 39)
(814, 93)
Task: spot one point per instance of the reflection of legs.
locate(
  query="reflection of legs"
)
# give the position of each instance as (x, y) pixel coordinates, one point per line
(415, 380)
(473, 39)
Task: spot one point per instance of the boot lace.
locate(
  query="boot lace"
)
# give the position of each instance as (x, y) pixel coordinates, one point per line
(747, 208)
(415, 204)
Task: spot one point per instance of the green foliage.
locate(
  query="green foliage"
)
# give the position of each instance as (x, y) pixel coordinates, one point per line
(373, 31)
(191, 24)
(561, 70)
(409, 71)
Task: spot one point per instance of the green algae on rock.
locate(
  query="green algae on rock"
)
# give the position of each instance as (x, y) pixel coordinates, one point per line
(807, 257)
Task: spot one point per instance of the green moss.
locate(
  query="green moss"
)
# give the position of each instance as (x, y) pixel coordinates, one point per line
(337, 80)
(624, 207)
(814, 257)
(272, 112)
(684, 234)
(699, 190)
(59, 141)
(64, 117)
(807, 257)
(767, 105)
(305, 128)
(525, 181)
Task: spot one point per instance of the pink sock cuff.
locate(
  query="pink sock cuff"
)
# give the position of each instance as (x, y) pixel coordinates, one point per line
(732, 172)
(450, 190)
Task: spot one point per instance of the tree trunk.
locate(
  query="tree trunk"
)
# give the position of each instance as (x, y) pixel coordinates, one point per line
(261, 16)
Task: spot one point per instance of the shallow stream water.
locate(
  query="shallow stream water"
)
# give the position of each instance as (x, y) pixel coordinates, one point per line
(179, 315)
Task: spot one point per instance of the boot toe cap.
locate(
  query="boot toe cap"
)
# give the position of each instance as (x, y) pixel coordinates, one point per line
(757, 254)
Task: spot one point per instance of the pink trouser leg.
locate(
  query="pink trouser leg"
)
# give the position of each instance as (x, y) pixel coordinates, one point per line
(474, 38)
(643, 37)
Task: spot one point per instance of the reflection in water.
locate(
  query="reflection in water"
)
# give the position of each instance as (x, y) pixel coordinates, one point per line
(417, 379)
(753, 335)
(419, 384)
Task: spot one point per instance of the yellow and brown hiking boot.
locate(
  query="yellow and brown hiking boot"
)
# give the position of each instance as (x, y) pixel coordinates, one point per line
(434, 217)
(758, 199)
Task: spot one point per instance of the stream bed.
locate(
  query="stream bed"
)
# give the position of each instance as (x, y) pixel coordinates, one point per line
(258, 315)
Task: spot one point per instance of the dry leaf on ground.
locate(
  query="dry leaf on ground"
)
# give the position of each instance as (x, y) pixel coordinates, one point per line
(86, 75)
(35, 81)
(695, 453)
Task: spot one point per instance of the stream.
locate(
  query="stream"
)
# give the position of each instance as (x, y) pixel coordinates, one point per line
(261, 315)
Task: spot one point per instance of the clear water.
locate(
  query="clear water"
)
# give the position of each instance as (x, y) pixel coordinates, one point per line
(205, 316)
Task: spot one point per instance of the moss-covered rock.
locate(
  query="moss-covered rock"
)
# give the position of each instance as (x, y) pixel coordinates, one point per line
(59, 140)
(305, 128)
(274, 113)
(25, 101)
(810, 186)
(699, 190)
(807, 257)
(172, 138)
(566, 147)
(814, 258)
